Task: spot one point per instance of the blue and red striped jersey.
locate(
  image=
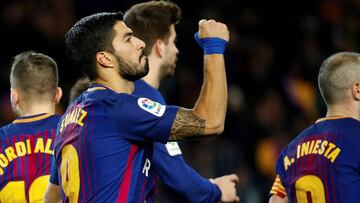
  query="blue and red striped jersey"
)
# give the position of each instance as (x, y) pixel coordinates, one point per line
(26, 151)
(104, 145)
(169, 165)
(322, 164)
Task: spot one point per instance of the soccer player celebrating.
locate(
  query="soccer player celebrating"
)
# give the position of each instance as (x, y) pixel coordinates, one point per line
(154, 22)
(322, 164)
(105, 139)
(27, 143)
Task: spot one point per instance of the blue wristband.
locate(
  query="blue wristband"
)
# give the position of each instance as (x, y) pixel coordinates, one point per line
(211, 45)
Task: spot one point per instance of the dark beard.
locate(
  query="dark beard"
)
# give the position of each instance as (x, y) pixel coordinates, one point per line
(130, 71)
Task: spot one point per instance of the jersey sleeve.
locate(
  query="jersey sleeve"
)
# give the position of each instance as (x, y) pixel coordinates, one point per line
(277, 188)
(54, 172)
(177, 174)
(141, 119)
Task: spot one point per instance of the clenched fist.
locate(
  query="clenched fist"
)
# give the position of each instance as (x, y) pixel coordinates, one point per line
(211, 28)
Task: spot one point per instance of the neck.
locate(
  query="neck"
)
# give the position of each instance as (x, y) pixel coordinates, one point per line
(153, 77)
(117, 85)
(38, 109)
(348, 110)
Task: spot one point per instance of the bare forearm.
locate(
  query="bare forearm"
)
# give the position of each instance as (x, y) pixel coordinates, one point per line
(208, 115)
(212, 102)
(186, 125)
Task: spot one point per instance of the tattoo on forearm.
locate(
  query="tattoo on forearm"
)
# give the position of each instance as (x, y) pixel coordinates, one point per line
(186, 124)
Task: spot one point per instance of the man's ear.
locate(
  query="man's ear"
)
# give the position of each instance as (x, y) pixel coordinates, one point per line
(159, 47)
(105, 59)
(58, 95)
(14, 97)
(356, 91)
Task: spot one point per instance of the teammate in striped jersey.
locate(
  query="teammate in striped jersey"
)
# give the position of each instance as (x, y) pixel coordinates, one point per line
(104, 140)
(322, 164)
(27, 144)
(154, 22)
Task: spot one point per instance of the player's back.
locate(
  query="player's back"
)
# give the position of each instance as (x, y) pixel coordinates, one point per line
(103, 149)
(26, 150)
(322, 164)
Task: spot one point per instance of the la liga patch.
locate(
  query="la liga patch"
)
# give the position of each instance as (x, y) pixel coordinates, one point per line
(151, 106)
(173, 148)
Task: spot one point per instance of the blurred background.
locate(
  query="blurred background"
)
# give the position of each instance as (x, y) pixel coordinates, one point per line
(272, 64)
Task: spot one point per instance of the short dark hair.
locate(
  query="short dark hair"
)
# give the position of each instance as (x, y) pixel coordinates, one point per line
(80, 86)
(336, 75)
(152, 20)
(35, 75)
(88, 36)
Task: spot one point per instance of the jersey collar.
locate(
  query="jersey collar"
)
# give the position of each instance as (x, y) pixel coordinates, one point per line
(330, 118)
(95, 87)
(37, 117)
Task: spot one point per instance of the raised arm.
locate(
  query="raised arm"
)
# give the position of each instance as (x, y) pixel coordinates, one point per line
(208, 115)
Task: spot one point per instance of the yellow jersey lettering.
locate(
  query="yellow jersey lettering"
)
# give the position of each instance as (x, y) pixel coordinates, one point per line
(331, 146)
(20, 149)
(287, 163)
(83, 114)
(322, 147)
(10, 153)
(28, 146)
(304, 148)
(298, 152)
(316, 147)
(39, 147)
(3, 161)
(72, 116)
(62, 125)
(47, 147)
(77, 116)
(332, 156)
(311, 146)
(78, 110)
